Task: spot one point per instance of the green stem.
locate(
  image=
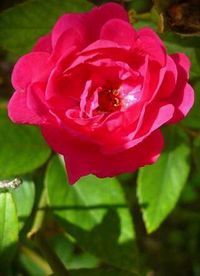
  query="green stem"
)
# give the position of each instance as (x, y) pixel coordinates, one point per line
(192, 133)
(39, 261)
(39, 217)
(36, 233)
(146, 15)
(134, 16)
(56, 265)
(139, 228)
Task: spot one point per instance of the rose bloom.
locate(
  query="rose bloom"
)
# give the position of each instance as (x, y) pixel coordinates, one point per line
(100, 90)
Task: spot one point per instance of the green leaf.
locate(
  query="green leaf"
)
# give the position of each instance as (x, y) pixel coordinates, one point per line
(23, 24)
(160, 185)
(24, 199)
(8, 229)
(95, 213)
(70, 257)
(22, 148)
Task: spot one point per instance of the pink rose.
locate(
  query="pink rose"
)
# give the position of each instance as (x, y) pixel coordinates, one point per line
(100, 90)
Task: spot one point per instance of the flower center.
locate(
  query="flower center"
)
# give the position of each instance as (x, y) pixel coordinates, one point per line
(109, 100)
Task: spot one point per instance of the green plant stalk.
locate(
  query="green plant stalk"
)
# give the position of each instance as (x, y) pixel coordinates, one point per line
(36, 259)
(143, 16)
(56, 265)
(36, 233)
(39, 217)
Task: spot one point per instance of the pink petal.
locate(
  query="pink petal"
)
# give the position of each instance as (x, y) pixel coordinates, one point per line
(187, 100)
(69, 39)
(183, 96)
(100, 15)
(108, 11)
(84, 158)
(90, 161)
(183, 102)
(147, 32)
(88, 24)
(36, 102)
(146, 45)
(151, 119)
(156, 115)
(43, 44)
(30, 68)
(20, 113)
(182, 60)
(118, 31)
(62, 87)
(84, 96)
(56, 137)
(169, 81)
(153, 77)
(68, 21)
(94, 50)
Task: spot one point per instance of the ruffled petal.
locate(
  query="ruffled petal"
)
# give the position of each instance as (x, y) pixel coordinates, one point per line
(18, 111)
(102, 165)
(71, 38)
(183, 103)
(84, 158)
(147, 32)
(183, 61)
(156, 115)
(36, 102)
(147, 45)
(118, 31)
(183, 96)
(169, 81)
(88, 24)
(43, 44)
(151, 119)
(30, 68)
(68, 21)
